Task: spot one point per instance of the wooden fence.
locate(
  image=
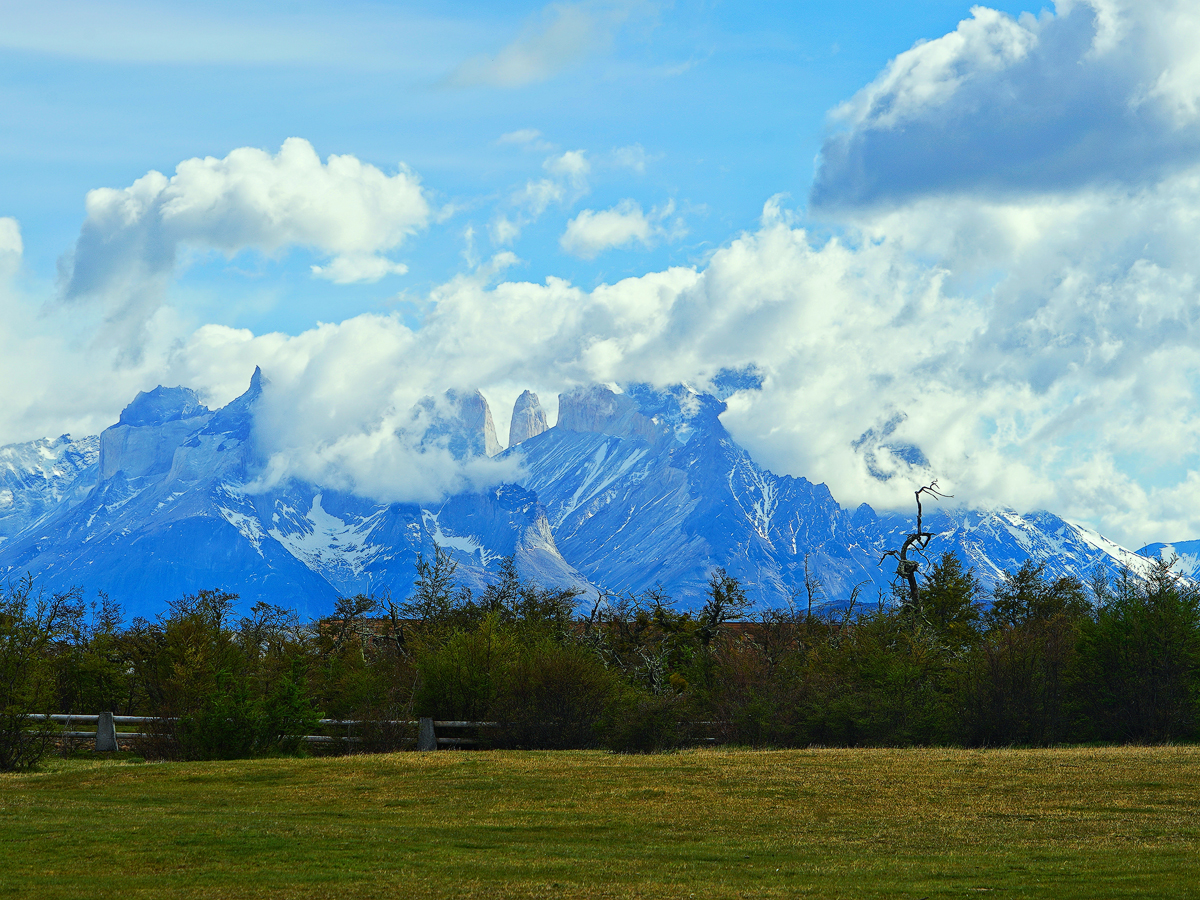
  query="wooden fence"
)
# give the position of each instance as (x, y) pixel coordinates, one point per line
(107, 736)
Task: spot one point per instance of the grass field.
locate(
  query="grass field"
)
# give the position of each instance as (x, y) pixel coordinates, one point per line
(1087, 823)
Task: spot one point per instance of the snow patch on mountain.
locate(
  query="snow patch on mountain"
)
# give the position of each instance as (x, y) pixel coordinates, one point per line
(465, 544)
(1136, 563)
(248, 526)
(326, 543)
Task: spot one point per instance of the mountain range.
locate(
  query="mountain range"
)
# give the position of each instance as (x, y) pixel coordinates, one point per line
(632, 488)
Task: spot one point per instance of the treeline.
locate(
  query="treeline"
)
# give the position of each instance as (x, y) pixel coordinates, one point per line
(1037, 661)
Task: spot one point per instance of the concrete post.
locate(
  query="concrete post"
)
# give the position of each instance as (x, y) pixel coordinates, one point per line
(106, 733)
(426, 739)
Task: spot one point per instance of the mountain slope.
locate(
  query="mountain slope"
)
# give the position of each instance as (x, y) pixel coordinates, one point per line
(647, 488)
(995, 541)
(1185, 556)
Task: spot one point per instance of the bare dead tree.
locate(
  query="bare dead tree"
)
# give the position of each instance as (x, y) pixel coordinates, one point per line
(812, 587)
(907, 568)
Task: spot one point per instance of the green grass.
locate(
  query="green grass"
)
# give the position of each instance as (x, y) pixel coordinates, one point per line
(1087, 823)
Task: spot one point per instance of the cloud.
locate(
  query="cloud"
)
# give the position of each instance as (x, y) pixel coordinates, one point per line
(1068, 380)
(571, 166)
(1037, 392)
(568, 182)
(358, 36)
(352, 269)
(632, 157)
(503, 230)
(522, 136)
(1040, 343)
(129, 244)
(1100, 92)
(529, 138)
(56, 379)
(590, 233)
(563, 36)
(11, 247)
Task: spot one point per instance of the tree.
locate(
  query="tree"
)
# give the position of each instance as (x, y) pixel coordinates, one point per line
(1026, 596)
(1016, 682)
(93, 667)
(950, 603)
(1140, 659)
(726, 602)
(30, 624)
(434, 590)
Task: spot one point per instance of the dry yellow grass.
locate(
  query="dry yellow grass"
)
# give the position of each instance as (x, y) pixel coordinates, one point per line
(1107, 822)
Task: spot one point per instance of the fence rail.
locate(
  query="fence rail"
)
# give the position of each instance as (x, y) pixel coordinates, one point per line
(107, 736)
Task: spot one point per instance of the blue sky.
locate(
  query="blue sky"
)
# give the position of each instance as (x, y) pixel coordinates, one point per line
(979, 220)
(727, 103)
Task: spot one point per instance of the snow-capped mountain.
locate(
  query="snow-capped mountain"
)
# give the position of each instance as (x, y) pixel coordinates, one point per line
(995, 541)
(1184, 556)
(167, 512)
(647, 488)
(631, 489)
(39, 476)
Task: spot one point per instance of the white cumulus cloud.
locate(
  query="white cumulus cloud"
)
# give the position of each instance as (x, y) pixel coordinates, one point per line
(591, 233)
(351, 269)
(567, 182)
(343, 208)
(1096, 92)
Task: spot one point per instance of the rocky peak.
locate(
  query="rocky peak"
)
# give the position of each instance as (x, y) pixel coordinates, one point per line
(464, 422)
(236, 418)
(162, 405)
(641, 412)
(37, 475)
(528, 419)
(150, 429)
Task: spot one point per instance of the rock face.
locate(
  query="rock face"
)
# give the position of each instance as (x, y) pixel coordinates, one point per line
(528, 419)
(646, 488)
(164, 405)
(144, 440)
(463, 422)
(597, 408)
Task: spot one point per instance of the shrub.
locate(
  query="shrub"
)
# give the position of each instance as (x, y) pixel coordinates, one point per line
(553, 697)
(233, 724)
(636, 722)
(461, 678)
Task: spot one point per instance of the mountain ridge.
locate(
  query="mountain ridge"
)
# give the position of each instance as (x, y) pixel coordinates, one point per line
(633, 488)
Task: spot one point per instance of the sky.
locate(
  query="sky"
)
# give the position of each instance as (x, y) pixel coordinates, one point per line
(973, 229)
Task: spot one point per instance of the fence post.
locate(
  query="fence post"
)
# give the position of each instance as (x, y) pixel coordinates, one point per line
(106, 733)
(426, 738)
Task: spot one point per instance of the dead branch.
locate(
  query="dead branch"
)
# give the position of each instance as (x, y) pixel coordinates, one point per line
(907, 568)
